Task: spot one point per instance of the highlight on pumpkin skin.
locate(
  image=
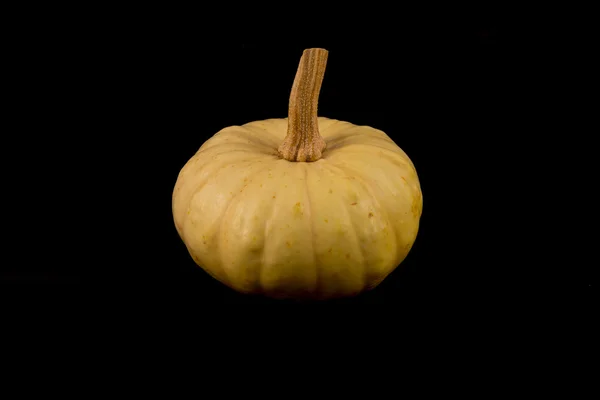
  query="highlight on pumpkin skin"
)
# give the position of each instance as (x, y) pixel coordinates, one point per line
(303, 141)
(259, 216)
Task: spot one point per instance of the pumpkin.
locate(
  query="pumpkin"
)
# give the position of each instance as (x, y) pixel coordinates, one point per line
(299, 207)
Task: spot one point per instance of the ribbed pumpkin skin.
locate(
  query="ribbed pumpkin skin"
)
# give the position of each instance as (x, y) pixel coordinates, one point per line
(324, 229)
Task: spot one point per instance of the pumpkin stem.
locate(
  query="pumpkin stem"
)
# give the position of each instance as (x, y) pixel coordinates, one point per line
(303, 141)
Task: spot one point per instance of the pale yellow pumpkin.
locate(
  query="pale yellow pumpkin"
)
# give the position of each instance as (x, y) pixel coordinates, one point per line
(260, 221)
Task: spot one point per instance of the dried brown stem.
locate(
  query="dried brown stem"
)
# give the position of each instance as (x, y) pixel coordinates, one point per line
(303, 141)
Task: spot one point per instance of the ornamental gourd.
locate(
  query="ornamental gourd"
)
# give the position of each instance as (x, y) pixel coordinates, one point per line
(299, 207)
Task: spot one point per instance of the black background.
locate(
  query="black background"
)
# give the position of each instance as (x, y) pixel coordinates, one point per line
(462, 99)
(110, 102)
